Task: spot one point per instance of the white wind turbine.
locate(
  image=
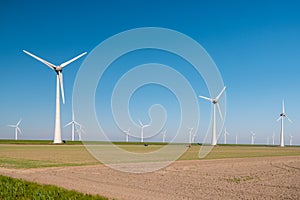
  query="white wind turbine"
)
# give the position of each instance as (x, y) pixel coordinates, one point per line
(252, 137)
(164, 136)
(291, 140)
(225, 136)
(79, 131)
(273, 138)
(236, 138)
(127, 134)
(59, 84)
(190, 135)
(193, 139)
(215, 104)
(17, 129)
(142, 129)
(282, 116)
(73, 123)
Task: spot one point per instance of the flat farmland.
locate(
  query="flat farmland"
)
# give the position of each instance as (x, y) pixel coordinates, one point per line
(228, 172)
(34, 156)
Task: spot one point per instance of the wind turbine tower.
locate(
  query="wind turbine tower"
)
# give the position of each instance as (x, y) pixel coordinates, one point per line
(59, 84)
(225, 136)
(79, 131)
(142, 129)
(291, 140)
(73, 123)
(273, 138)
(17, 129)
(127, 134)
(252, 137)
(164, 136)
(215, 103)
(282, 116)
(190, 135)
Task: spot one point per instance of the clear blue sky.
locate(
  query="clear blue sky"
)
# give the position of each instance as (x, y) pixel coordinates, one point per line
(255, 44)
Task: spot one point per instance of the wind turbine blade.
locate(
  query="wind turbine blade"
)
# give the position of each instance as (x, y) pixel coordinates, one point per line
(206, 98)
(289, 119)
(220, 93)
(13, 126)
(146, 125)
(68, 124)
(219, 109)
(141, 124)
(41, 60)
(73, 115)
(76, 123)
(282, 106)
(73, 59)
(19, 122)
(19, 130)
(60, 76)
(279, 118)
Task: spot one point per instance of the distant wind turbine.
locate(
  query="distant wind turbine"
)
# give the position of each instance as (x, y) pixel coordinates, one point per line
(126, 134)
(215, 104)
(17, 129)
(291, 140)
(273, 138)
(252, 137)
(193, 139)
(236, 138)
(59, 84)
(142, 129)
(79, 131)
(190, 135)
(225, 136)
(73, 123)
(282, 116)
(164, 136)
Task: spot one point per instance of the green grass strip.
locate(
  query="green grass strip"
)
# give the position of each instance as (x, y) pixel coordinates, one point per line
(11, 189)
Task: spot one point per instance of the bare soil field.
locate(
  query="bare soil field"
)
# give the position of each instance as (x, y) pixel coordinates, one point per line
(238, 178)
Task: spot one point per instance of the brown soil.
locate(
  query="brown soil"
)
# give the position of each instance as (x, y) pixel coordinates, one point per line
(246, 178)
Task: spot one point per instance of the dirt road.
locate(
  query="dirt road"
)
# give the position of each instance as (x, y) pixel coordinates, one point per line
(246, 178)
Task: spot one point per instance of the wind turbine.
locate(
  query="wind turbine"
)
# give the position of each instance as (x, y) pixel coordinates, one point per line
(73, 123)
(127, 134)
(273, 138)
(193, 139)
(215, 104)
(291, 140)
(190, 135)
(236, 138)
(252, 137)
(142, 129)
(225, 136)
(282, 116)
(164, 136)
(17, 129)
(59, 84)
(79, 131)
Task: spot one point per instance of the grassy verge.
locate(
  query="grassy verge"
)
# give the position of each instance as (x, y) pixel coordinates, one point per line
(11, 188)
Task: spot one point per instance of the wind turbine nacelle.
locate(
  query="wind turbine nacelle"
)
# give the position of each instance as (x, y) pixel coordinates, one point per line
(58, 69)
(282, 115)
